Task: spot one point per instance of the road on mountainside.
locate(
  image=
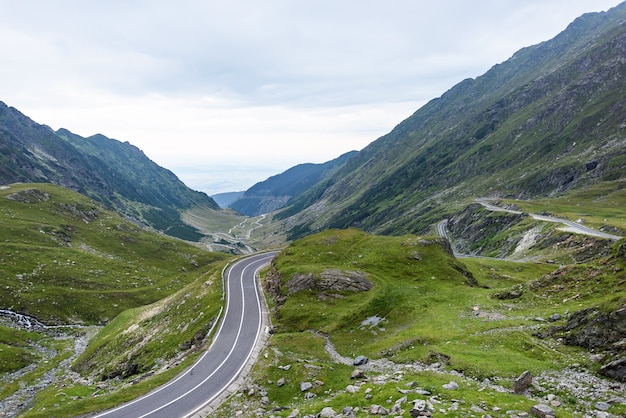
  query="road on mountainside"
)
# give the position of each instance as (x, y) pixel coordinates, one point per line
(199, 386)
(571, 226)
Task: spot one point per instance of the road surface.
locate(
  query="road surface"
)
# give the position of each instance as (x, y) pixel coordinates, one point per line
(570, 226)
(198, 388)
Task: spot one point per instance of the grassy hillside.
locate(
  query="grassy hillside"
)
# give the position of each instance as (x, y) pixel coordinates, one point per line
(66, 259)
(548, 120)
(137, 351)
(429, 318)
(69, 262)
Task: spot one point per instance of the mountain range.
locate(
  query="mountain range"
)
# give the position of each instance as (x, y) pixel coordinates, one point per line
(440, 244)
(550, 119)
(277, 191)
(117, 174)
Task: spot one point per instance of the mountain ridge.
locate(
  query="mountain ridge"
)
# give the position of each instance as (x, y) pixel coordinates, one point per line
(548, 119)
(278, 190)
(97, 167)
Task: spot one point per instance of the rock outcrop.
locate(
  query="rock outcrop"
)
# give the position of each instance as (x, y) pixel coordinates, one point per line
(330, 280)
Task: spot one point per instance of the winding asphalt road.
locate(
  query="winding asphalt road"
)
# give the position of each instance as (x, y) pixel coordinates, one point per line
(570, 226)
(196, 390)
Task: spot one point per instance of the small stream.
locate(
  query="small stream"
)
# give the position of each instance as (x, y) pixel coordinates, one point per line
(14, 404)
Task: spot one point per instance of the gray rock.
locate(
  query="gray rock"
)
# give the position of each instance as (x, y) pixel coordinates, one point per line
(419, 405)
(360, 360)
(451, 386)
(327, 412)
(357, 374)
(602, 406)
(615, 369)
(542, 411)
(378, 410)
(352, 389)
(281, 382)
(348, 412)
(304, 386)
(522, 383)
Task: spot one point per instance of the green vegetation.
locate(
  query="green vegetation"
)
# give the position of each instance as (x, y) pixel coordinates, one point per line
(600, 206)
(139, 350)
(17, 349)
(430, 308)
(66, 259)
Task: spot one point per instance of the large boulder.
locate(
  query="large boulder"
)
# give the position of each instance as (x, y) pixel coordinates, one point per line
(330, 280)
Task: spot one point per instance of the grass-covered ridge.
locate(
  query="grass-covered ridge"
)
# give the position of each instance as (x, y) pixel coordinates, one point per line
(480, 319)
(66, 259)
(424, 296)
(137, 351)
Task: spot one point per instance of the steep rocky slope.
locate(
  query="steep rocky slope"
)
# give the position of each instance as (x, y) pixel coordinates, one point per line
(549, 119)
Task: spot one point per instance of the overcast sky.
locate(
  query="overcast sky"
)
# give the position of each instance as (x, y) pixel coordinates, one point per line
(228, 93)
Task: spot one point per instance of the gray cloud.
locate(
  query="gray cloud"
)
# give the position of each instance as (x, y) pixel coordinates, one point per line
(148, 70)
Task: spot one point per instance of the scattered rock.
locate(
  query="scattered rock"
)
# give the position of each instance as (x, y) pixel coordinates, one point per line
(360, 360)
(419, 405)
(522, 383)
(285, 368)
(281, 382)
(327, 412)
(542, 411)
(378, 410)
(451, 386)
(304, 386)
(357, 374)
(352, 389)
(348, 412)
(602, 406)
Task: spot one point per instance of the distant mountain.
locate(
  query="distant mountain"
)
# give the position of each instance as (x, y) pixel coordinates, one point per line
(550, 119)
(224, 200)
(278, 190)
(117, 174)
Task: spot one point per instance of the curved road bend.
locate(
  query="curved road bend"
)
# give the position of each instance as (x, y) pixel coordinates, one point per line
(570, 226)
(222, 363)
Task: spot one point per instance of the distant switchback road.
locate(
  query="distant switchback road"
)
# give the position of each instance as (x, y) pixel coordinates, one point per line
(198, 388)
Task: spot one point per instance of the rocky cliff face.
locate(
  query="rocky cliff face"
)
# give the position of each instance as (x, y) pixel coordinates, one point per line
(603, 333)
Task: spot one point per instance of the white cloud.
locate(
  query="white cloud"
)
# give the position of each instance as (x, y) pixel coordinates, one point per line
(243, 84)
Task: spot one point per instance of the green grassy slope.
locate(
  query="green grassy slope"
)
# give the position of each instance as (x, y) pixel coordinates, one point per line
(66, 259)
(428, 310)
(548, 120)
